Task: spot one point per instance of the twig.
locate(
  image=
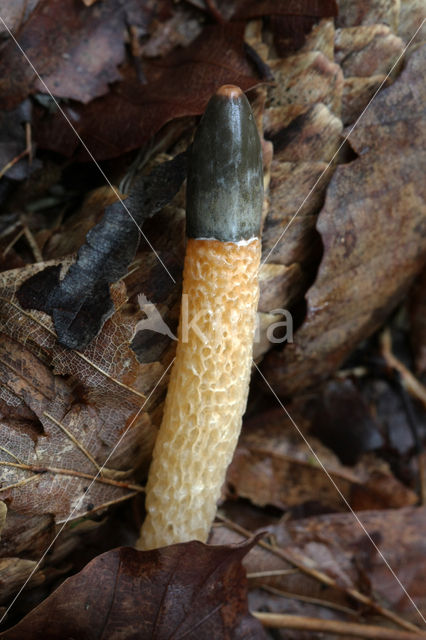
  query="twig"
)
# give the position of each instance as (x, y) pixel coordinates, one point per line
(12, 455)
(409, 380)
(72, 472)
(271, 573)
(309, 599)
(322, 577)
(411, 416)
(20, 483)
(25, 231)
(28, 142)
(92, 509)
(130, 272)
(12, 162)
(336, 627)
(33, 244)
(13, 242)
(422, 477)
(214, 11)
(26, 152)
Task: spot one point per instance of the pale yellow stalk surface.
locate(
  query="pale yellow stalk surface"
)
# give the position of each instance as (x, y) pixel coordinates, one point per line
(207, 394)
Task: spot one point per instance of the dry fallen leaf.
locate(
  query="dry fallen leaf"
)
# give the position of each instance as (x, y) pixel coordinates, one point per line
(357, 93)
(273, 466)
(289, 23)
(178, 85)
(367, 50)
(353, 13)
(306, 79)
(305, 134)
(337, 546)
(103, 387)
(62, 414)
(361, 18)
(67, 420)
(374, 235)
(188, 590)
(80, 302)
(411, 17)
(77, 57)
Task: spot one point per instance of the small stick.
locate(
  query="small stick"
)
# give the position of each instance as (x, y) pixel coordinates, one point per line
(20, 483)
(13, 242)
(28, 142)
(411, 383)
(72, 472)
(271, 573)
(422, 477)
(310, 599)
(322, 577)
(12, 455)
(33, 244)
(28, 151)
(336, 627)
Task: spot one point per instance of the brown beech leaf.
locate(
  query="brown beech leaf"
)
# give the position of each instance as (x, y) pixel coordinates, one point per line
(300, 120)
(189, 590)
(180, 84)
(305, 134)
(76, 50)
(373, 227)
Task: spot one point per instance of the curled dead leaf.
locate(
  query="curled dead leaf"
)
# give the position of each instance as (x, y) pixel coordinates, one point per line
(374, 236)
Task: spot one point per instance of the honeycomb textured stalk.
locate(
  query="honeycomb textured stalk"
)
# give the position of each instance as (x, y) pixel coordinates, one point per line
(207, 393)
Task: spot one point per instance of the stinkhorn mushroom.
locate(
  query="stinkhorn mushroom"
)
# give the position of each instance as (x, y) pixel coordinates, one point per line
(209, 383)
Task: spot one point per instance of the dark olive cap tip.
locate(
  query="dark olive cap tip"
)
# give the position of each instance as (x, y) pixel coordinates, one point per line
(225, 175)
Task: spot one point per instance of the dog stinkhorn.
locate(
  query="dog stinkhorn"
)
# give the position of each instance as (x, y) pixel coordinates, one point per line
(208, 388)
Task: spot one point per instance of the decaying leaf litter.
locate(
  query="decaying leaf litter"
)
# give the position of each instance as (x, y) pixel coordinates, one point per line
(349, 264)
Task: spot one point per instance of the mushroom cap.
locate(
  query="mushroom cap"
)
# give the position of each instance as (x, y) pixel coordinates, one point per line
(225, 177)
